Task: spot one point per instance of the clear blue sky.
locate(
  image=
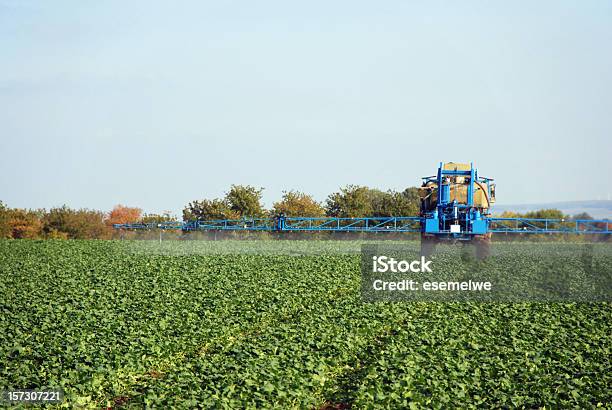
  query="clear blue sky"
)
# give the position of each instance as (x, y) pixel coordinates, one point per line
(154, 104)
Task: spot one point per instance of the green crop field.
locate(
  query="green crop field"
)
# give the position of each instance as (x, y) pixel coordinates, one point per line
(280, 325)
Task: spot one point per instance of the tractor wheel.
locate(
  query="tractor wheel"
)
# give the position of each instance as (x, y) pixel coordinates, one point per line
(483, 247)
(428, 245)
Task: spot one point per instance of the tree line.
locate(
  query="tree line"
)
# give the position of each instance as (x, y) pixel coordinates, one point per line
(352, 201)
(67, 223)
(240, 201)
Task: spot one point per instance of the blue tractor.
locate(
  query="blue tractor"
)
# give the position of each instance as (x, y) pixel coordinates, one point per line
(455, 206)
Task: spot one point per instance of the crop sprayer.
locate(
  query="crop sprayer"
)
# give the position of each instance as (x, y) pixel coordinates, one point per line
(455, 206)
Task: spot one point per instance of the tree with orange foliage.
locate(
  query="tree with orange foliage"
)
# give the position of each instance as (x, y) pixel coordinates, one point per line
(123, 215)
(24, 224)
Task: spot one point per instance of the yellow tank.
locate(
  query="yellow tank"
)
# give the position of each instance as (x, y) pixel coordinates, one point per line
(458, 189)
(456, 166)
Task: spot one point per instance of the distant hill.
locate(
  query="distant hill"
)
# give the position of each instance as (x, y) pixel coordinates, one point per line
(598, 209)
